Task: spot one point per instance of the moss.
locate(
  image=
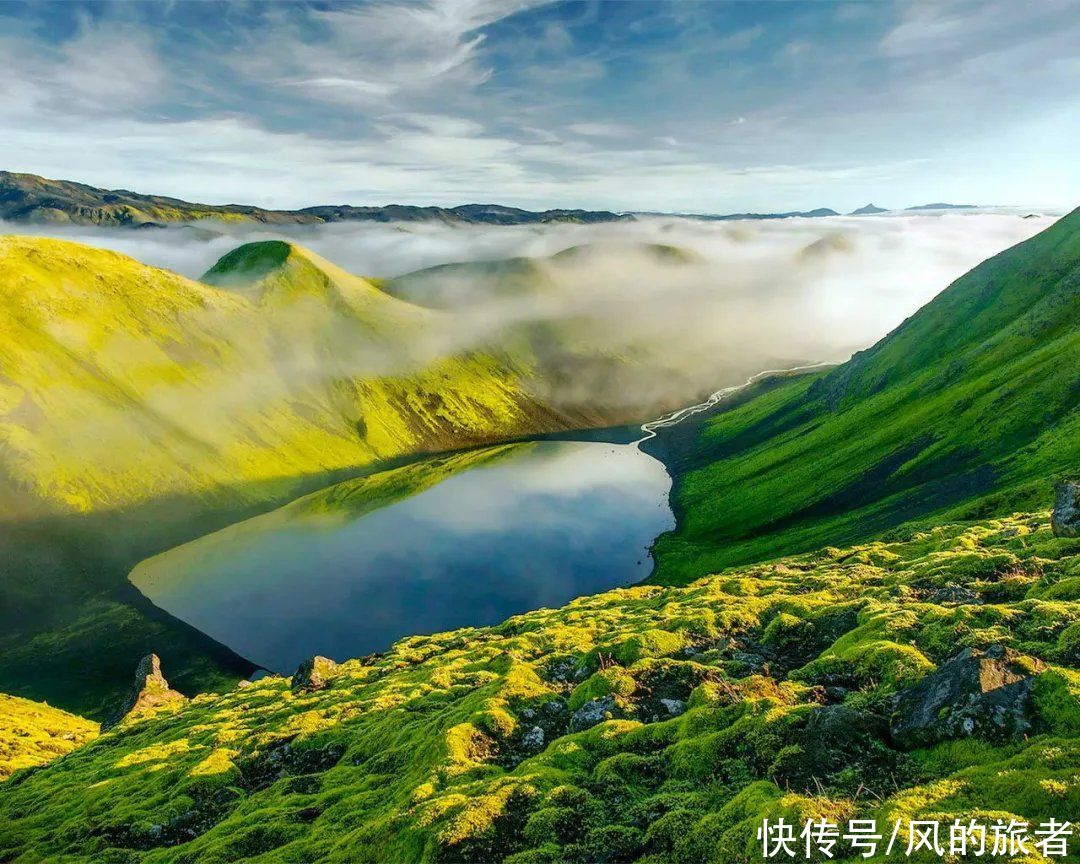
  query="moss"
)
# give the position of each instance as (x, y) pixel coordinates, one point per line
(649, 643)
(613, 681)
(33, 734)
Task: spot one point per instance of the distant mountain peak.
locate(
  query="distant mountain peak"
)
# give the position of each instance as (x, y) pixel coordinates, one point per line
(868, 210)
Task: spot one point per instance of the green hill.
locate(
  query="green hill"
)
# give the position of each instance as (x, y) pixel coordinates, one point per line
(969, 408)
(584, 313)
(449, 286)
(650, 724)
(124, 383)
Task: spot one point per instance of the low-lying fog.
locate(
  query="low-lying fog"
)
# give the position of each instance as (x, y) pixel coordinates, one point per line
(753, 294)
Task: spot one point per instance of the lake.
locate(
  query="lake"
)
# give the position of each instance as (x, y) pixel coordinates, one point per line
(449, 541)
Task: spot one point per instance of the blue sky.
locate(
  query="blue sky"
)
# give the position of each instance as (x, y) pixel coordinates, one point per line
(677, 106)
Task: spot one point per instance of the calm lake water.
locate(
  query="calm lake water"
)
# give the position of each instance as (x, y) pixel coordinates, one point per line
(446, 542)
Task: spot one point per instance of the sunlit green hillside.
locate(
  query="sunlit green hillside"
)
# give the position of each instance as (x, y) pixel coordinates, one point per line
(969, 408)
(32, 733)
(123, 382)
(652, 724)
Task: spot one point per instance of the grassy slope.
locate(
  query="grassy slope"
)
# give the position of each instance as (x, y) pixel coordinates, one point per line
(124, 383)
(968, 408)
(419, 754)
(33, 734)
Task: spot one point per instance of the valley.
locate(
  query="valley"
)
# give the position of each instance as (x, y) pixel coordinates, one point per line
(845, 538)
(539, 432)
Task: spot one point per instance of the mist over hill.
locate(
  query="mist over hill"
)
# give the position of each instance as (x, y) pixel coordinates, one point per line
(793, 289)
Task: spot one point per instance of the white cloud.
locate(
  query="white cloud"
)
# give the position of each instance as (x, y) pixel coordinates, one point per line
(598, 130)
(386, 50)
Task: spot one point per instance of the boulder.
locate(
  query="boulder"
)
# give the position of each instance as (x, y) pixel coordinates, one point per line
(674, 707)
(1065, 519)
(533, 739)
(975, 693)
(149, 690)
(313, 674)
(592, 712)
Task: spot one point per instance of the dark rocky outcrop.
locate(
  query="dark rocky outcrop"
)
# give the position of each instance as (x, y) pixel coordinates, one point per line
(976, 693)
(1065, 519)
(313, 674)
(149, 690)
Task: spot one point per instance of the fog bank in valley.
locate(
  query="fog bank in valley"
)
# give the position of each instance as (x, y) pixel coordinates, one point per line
(737, 298)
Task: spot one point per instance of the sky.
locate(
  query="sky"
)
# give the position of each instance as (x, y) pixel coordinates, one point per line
(707, 107)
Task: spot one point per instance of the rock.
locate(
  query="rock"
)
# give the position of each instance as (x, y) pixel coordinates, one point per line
(955, 594)
(675, 707)
(533, 739)
(1065, 519)
(592, 712)
(976, 693)
(313, 674)
(149, 690)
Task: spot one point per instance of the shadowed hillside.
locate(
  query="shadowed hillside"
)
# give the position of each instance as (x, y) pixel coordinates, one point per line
(968, 408)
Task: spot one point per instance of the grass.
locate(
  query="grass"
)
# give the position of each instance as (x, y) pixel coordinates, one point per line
(970, 408)
(429, 751)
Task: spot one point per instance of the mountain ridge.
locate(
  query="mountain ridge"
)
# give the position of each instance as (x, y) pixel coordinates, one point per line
(38, 200)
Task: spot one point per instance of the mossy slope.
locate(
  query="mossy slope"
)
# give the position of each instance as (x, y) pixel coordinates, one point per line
(758, 692)
(32, 733)
(969, 408)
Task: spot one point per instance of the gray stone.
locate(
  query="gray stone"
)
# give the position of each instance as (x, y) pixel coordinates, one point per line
(675, 707)
(592, 712)
(149, 690)
(313, 674)
(755, 663)
(986, 694)
(1066, 516)
(955, 594)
